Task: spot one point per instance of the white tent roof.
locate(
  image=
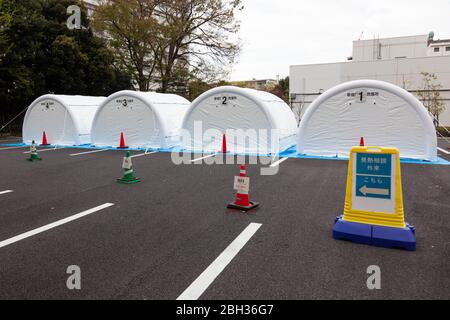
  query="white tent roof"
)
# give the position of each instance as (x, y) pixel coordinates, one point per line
(147, 119)
(226, 109)
(66, 120)
(384, 114)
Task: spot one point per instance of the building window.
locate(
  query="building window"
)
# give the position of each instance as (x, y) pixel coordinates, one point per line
(447, 49)
(436, 49)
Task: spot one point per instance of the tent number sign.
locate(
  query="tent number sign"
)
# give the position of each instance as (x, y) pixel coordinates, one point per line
(224, 99)
(124, 102)
(47, 105)
(361, 95)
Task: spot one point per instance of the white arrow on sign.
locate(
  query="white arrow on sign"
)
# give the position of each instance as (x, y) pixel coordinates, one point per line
(382, 192)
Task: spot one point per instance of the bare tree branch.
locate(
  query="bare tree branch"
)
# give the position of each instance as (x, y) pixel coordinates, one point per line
(171, 41)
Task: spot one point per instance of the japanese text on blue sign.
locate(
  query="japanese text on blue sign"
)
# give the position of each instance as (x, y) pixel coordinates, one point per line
(373, 175)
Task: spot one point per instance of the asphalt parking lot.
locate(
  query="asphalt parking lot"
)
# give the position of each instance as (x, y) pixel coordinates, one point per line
(444, 151)
(162, 233)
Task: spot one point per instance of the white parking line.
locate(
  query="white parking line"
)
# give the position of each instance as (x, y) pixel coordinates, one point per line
(275, 164)
(87, 152)
(205, 157)
(6, 191)
(58, 223)
(44, 150)
(143, 154)
(9, 148)
(443, 150)
(196, 289)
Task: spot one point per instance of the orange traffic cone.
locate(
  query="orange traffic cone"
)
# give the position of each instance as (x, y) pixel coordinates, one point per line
(122, 142)
(44, 140)
(242, 201)
(224, 144)
(361, 142)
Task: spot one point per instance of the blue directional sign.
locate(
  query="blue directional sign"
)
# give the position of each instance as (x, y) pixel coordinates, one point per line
(373, 175)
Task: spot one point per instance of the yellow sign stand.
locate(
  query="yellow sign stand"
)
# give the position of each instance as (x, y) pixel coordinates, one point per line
(395, 219)
(373, 210)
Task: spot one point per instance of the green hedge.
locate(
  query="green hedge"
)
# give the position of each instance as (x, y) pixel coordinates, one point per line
(14, 128)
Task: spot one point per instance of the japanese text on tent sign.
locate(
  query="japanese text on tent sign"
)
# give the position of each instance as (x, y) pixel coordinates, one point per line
(373, 175)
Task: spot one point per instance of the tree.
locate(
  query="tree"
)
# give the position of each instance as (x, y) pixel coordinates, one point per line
(280, 89)
(5, 22)
(430, 96)
(275, 89)
(197, 87)
(284, 85)
(40, 55)
(132, 31)
(170, 42)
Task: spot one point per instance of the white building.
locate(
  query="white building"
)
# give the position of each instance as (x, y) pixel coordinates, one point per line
(399, 61)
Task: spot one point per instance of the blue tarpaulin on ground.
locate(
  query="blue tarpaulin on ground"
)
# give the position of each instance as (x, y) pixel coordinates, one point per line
(290, 153)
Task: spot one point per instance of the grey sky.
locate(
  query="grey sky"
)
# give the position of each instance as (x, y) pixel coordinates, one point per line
(280, 33)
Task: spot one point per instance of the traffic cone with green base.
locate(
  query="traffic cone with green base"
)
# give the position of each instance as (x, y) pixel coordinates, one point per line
(128, 172)
(34, 154)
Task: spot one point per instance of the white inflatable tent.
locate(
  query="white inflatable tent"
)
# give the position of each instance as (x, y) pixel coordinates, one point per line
(254, 122)
(146, 119)
(66, 120)
(384, 114)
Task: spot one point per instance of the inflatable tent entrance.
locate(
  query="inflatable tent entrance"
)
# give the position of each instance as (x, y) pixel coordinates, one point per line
(66, 120)
(382, 113)
(146, 119)
(248, 118)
